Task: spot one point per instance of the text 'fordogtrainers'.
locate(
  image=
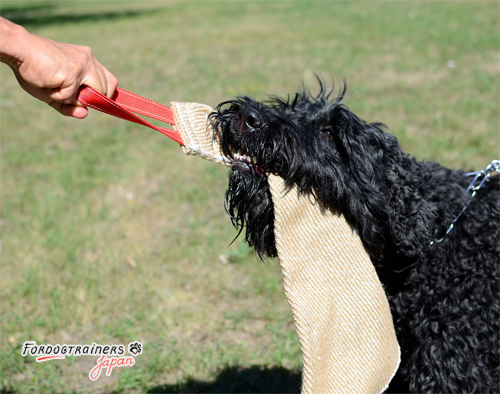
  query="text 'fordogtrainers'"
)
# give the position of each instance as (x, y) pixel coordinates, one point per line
(110, 356)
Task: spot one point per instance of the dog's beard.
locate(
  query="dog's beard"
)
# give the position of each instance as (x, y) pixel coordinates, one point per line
(248, 202)
(248, 199)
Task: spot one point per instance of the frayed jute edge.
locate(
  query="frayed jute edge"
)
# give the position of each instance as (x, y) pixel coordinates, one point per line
(193, 123)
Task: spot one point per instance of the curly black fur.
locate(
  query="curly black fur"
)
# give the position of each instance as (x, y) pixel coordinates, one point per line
(444, 298)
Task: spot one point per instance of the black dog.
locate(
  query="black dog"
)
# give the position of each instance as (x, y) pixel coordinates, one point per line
(444, 292)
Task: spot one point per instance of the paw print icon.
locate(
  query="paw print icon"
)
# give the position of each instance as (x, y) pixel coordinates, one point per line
(135, 348)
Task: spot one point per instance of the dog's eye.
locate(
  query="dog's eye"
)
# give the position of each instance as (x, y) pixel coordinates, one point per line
(326, 130)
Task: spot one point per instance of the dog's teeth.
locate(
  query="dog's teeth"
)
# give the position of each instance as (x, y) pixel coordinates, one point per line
(241, 157)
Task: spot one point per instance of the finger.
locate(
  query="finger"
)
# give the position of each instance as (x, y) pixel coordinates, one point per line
(112, 82)
(97, 79)
(69, 109)
(76, 112)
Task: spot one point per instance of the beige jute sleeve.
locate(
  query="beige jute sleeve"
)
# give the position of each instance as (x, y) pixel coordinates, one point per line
(340, 309)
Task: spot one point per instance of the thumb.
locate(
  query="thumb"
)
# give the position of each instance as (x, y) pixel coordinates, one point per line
(67, 94)
(63, 94)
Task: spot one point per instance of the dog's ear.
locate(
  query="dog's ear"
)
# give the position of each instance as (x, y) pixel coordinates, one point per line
(332, 120)
(331, 116)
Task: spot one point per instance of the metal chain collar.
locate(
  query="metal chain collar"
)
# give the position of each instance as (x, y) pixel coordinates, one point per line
(480, 177)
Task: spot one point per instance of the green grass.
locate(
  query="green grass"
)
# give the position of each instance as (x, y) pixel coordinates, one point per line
(111, 235)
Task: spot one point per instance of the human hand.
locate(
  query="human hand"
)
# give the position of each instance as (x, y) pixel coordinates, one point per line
(53, 72)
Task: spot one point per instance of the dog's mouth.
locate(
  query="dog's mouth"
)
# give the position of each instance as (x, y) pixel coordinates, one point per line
(242, 162)
(239, 128)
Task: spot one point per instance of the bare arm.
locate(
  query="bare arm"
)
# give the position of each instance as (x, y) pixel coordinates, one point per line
(52, 71)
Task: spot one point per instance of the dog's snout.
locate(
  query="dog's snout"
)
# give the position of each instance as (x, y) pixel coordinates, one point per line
(249, 119)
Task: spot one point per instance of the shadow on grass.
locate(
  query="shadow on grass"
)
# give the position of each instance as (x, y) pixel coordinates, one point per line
(240, 380)
(35, 15)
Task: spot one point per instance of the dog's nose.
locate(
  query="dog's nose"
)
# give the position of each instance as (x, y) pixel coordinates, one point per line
(249, 120)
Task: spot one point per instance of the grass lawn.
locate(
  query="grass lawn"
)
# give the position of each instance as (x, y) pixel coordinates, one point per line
(110, 234)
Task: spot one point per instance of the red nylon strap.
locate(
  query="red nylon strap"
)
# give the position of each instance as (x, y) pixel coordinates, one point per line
(123, 103)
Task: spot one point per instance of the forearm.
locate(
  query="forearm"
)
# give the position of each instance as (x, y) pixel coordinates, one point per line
(12, 40)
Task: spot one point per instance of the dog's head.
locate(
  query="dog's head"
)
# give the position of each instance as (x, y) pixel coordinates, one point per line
(313, 142)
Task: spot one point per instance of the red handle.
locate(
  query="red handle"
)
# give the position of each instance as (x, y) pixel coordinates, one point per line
(123, 103)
